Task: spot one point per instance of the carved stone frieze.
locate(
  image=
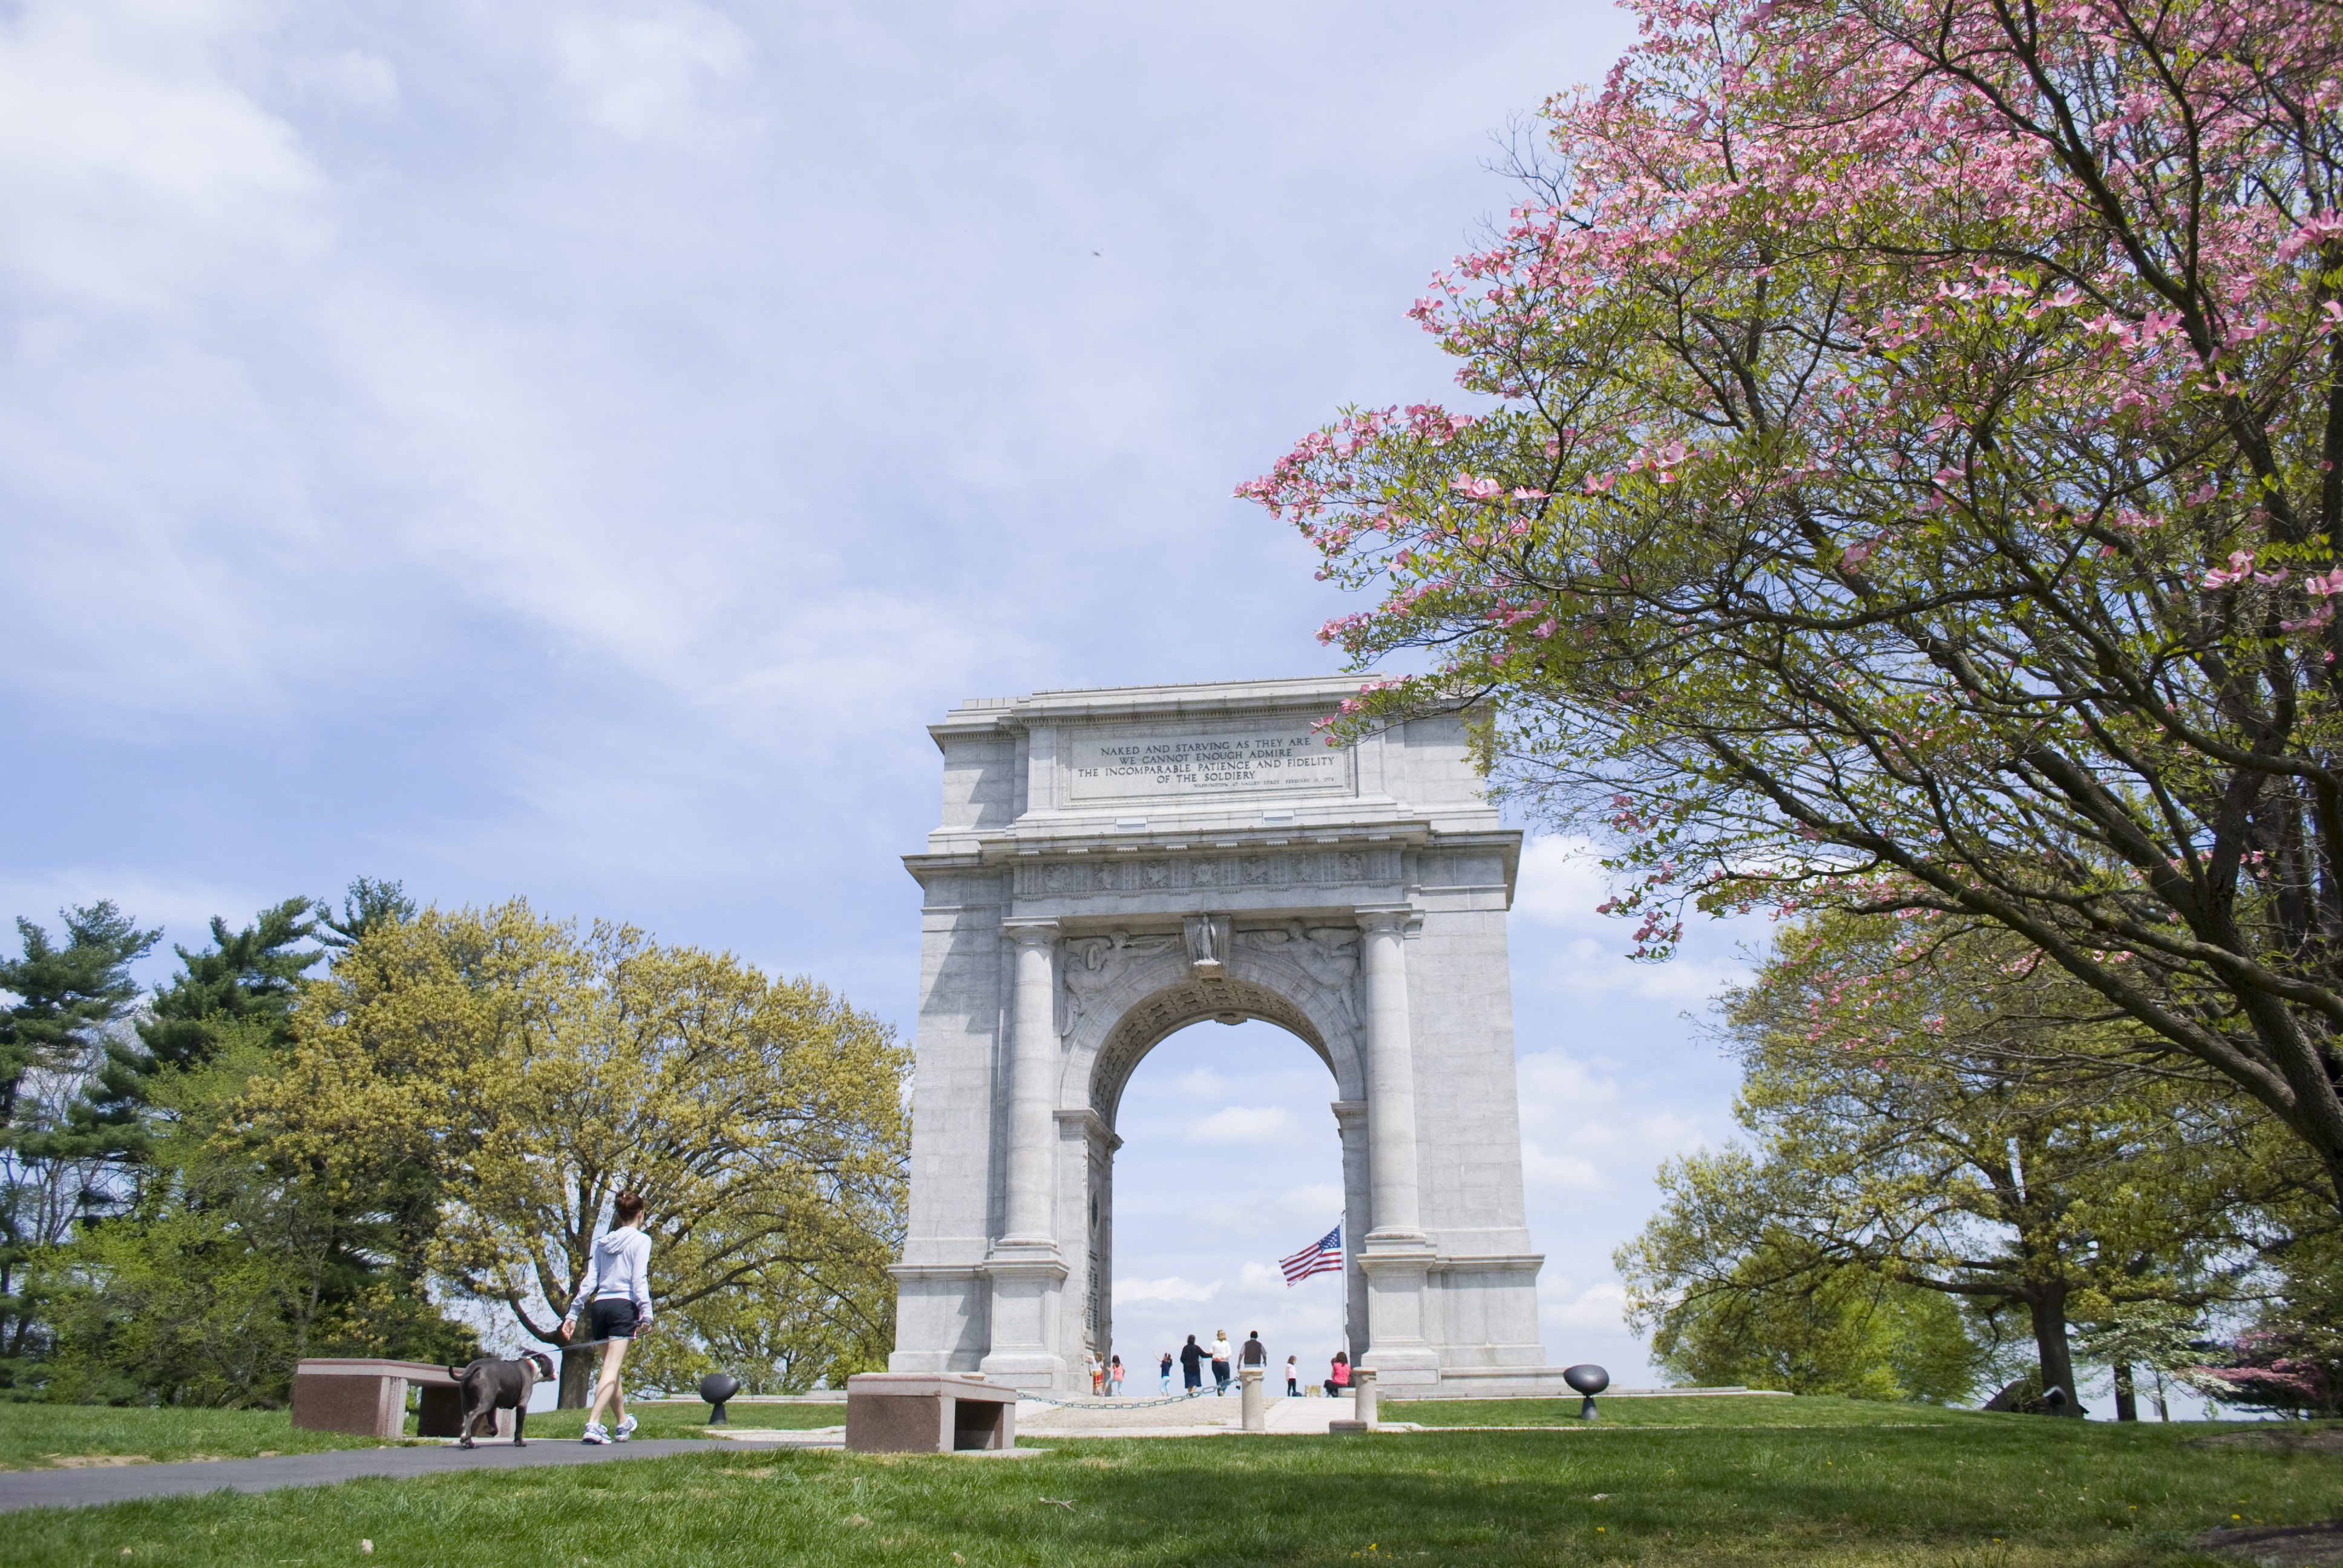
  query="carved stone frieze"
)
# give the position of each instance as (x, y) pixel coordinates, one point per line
(1093, 964)
(1327, 955)
(1086, 875)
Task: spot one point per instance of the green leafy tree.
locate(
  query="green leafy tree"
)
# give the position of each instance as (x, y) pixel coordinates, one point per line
(793, 1326)
(238, 1257)
(1934, 1112)
(1905, 473)
(68, 995)
(227, 1256)
(1851, 1331)
(539, 1073)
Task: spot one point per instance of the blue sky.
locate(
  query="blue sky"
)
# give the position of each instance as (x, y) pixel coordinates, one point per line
(573, 450)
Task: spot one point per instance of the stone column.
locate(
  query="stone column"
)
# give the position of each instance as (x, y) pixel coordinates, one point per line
(1390, 1074)
(1027, 1270)
(1249, 1401)
(1397, 1256)
(1033, 1058)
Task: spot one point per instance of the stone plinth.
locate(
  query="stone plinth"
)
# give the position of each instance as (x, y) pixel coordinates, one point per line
(368, 1397)
(916, 1412)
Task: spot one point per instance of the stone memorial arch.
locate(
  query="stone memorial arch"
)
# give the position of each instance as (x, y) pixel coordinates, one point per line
(1115, 865)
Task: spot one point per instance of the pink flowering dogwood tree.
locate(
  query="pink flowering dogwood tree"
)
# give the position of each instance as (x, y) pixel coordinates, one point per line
(1901, 474)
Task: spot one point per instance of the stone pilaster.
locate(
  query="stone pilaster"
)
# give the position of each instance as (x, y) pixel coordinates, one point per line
(1397, 1256)
(1026, 1270)
(1032, 1053)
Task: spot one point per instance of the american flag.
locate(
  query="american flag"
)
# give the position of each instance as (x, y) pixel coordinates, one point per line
(1322, 1256)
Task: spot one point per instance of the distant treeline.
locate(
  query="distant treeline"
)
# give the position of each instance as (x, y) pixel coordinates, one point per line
(366, 1130)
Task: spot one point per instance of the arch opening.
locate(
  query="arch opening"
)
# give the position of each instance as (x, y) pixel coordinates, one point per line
(1232, 1155)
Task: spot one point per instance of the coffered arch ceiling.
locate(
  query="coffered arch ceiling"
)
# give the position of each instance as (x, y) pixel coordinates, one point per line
(1147, 1022)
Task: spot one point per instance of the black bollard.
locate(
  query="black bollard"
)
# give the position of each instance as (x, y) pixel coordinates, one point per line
(716, 1388)
(1589, 1381)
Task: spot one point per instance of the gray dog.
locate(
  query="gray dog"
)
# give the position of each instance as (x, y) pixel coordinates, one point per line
(491, 1385)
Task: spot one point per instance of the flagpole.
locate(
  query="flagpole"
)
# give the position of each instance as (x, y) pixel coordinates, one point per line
(1343, 1329)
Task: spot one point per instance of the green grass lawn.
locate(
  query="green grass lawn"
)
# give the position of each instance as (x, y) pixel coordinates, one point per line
(688, 1418)
(1661, 1411)
(1946, 1490)
(42, 1436)
(38, 1436)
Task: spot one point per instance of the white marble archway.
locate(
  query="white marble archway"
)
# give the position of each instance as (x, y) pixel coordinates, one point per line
(1115, 866)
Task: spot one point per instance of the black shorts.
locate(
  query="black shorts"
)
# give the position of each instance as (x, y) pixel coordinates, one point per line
(611, 1320)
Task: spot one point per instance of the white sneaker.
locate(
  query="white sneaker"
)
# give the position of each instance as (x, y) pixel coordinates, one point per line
(626, 1430)
(597, 1432)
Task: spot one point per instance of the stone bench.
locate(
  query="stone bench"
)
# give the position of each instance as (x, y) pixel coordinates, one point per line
(368, 1397)
(927, 1412)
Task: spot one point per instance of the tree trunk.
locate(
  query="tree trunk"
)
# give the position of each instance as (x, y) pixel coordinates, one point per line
(2163, 1411)
(2126, 1401)
(2046, 1306)
(578, 1368)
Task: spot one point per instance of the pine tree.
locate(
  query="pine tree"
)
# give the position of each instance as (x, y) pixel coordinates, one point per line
(368, 906)
(67, 996)
(247, 978)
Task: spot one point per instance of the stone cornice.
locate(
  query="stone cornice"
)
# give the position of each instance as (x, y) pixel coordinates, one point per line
(1311, 696)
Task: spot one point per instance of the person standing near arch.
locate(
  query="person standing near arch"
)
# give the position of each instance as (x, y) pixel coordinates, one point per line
(1192, 1365)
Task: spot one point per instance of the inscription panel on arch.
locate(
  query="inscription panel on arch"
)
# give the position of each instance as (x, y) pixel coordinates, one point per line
(1280, 761)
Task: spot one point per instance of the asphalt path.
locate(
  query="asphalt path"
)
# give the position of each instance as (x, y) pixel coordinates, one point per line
(123, 1482)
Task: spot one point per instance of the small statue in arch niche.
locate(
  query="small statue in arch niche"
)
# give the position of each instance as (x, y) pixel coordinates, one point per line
(1207, 936)
(1094, 963)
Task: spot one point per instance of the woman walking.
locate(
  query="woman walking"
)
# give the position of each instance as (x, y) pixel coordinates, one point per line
(1338, 1376)
(1192, 1365)
(1220, 1364)
(617, 1295)
(1167, 1372)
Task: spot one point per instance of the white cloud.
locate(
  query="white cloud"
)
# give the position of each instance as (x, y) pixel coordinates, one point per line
(130, 161)
(643, 69)
(1592, 1309)
(1172, 1289)
(1244, 1124)
(354, 77)
(1579, 1135)
(1560, 885)
(1306, 1203)
(1201, 1083)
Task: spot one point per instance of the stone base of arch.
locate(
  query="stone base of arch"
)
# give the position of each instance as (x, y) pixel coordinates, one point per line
(1090, 893)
